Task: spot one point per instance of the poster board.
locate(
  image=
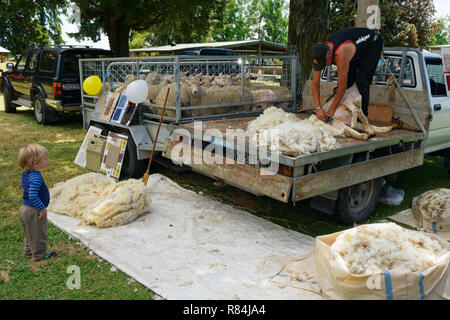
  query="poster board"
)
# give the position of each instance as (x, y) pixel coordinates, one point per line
(120, 109)
(80, 159)
(100, 106)
(446, 62)
(114, 153)
(129, 113)
(110, 106)
(446, 59)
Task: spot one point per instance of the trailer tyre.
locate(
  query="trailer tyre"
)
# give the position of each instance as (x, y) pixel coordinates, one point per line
(9, 106)
(131, 166)
(102, 127)
(356, 203)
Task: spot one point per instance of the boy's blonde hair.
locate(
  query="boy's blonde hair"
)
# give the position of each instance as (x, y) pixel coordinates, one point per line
(31, 153)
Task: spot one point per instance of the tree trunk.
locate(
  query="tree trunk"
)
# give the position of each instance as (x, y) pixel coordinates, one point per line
(118, 32)
(368, 16)
(308, 24)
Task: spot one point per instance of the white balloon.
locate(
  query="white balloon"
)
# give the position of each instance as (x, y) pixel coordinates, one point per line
(137, 91)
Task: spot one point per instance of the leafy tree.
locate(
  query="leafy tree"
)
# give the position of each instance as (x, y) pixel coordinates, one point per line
(192, 27)
(268, 21)
(27, 22)
(403, 23)
(397, 18)
(163, 19)
(276, 25)
(343, 14)
(236, 23)
(442, 34)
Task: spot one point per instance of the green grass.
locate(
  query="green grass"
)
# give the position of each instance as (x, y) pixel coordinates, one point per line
(20, 278)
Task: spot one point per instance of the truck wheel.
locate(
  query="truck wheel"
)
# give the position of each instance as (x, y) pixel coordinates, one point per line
(42, 113)
(356, 203)
(131, 166)
(9, 106)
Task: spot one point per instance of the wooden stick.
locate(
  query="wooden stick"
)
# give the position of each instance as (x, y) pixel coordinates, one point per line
(147, 173)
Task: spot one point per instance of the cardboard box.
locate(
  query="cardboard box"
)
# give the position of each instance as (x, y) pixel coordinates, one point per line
(380, 114)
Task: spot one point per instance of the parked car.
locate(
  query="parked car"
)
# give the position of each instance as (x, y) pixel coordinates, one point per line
(47, 79)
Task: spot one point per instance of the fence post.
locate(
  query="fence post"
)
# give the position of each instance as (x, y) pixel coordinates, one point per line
(242, 80)
(294, 80)
(177, 81)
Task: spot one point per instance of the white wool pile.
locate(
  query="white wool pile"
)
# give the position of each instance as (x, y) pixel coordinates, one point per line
(270, 118)
(119, 204)
(284, 132)
(72, 197)
(369, 249)
(99, 200)
(435, 203)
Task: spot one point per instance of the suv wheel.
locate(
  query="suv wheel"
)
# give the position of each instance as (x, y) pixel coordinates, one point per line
(41, 110)
(9, 106)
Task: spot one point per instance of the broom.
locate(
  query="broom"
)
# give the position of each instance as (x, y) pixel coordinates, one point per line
(147, 173)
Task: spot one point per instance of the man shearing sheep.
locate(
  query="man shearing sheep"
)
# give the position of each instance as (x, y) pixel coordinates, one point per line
(356, 53)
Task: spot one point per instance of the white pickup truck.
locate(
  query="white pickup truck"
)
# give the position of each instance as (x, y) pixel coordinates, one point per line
(423, 71)
(344, 182)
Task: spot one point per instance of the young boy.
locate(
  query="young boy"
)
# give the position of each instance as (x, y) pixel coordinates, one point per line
(36, 197)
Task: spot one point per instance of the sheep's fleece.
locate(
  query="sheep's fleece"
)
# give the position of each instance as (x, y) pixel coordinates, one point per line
(99, 200)
(433, 208)
(293, 134)
(368, 249)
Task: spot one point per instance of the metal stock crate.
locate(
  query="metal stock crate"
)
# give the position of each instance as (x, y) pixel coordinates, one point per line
(255, 82)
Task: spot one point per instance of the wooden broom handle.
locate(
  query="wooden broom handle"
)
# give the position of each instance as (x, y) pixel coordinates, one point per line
(157, 131)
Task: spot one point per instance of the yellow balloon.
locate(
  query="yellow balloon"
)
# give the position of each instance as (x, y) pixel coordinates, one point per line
(92, 85)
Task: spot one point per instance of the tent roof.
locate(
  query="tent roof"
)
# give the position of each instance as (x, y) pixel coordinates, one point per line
(243, 47)
(3, 50)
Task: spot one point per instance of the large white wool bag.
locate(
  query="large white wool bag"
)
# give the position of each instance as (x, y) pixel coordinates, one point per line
(432, 210)
(383, 261)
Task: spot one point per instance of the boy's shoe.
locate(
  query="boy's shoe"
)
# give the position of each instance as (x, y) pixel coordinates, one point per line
(50, 255)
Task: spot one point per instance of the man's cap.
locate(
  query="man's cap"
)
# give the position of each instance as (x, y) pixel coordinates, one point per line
(319, 52)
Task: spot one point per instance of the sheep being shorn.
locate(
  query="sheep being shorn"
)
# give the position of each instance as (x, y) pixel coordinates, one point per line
(350, 110)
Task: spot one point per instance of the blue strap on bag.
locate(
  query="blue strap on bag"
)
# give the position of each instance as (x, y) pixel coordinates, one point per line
(388, 285)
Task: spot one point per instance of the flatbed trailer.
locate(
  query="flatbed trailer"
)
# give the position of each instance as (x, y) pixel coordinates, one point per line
(345, 182)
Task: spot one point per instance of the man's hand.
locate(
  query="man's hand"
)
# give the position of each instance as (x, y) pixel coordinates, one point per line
(42, 214)
(320, 113)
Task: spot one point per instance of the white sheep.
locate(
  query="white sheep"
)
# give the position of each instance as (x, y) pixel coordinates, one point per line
(238, 80)
(260, 96)
(349, 110)
(171, 99)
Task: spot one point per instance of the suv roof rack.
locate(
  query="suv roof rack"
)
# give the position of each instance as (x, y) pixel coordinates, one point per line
(64, 46)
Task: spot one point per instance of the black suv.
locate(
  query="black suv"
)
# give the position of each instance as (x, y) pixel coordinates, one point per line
(47, 79)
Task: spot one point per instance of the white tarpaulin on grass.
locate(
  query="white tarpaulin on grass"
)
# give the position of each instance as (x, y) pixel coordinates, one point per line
(191, 247)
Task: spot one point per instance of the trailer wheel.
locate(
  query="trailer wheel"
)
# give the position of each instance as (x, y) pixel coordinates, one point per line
(102, 127)
(356, 203)
(131, 166)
